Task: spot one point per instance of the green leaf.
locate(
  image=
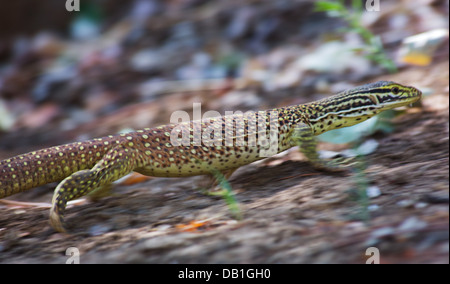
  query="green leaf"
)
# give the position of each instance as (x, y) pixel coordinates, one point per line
(357, 5)
(325, 6)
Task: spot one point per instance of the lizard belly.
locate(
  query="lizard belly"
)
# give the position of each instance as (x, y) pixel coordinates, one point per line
(200, 161)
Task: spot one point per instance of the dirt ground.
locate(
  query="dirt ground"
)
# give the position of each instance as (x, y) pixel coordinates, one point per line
(291, 213)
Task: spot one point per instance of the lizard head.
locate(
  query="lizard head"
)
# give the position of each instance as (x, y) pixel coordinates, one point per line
(358, 104)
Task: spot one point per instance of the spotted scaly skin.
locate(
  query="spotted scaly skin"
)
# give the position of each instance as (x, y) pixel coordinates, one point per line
(177, 150)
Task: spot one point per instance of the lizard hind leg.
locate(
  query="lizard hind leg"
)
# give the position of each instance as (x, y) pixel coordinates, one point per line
(74, 186)
(115, 164)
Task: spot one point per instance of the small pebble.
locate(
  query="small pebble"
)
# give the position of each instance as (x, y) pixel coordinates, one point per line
(420, 205)
(412, 224)
(98, 230)
(373, 207)
(373, 191)
(405, 203)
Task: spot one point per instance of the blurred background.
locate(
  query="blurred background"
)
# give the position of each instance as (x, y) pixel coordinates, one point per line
(129, 64)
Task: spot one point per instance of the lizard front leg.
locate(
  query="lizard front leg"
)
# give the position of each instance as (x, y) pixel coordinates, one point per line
(117, 163)
(304, 137)
(211, 185)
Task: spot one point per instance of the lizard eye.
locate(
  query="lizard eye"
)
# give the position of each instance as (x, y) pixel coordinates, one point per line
(395, 90)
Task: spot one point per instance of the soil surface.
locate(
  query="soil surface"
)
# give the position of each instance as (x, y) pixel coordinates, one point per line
(291, 212)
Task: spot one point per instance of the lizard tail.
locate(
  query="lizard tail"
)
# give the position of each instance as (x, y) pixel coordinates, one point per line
(33, 169)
